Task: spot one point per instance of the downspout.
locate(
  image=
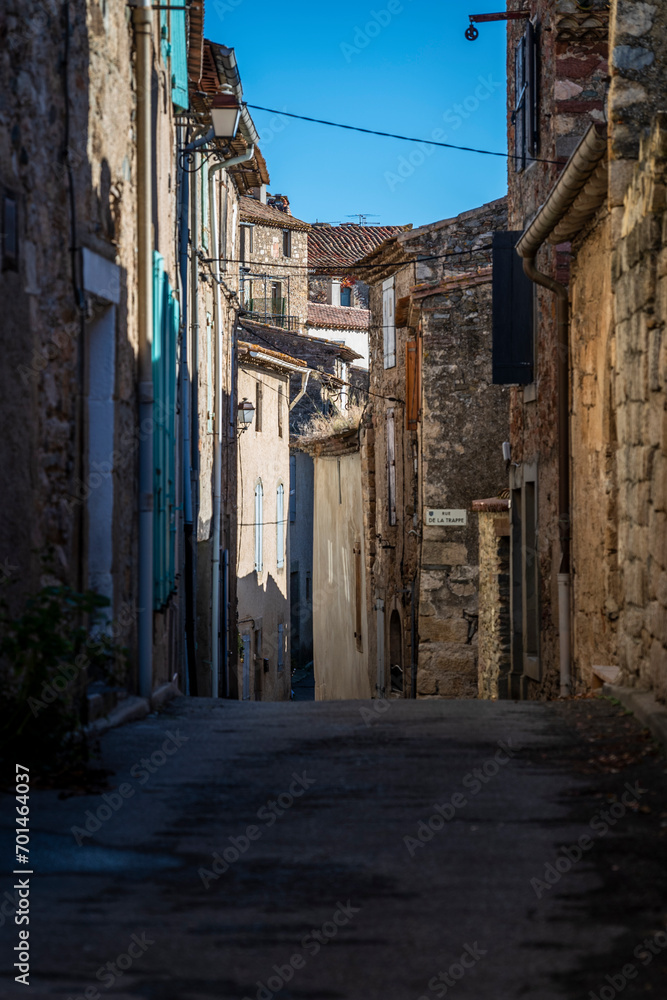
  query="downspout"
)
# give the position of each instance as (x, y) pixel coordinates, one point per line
(218, 424)
(142, 18)
(577, 172)
(302, 391)
(186, 448)
(563, 383)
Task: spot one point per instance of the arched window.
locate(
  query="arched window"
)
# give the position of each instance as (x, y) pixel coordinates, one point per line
(259, 527)
(280, 526)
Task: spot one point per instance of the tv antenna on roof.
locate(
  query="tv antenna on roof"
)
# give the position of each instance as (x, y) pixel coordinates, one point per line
(362, 216)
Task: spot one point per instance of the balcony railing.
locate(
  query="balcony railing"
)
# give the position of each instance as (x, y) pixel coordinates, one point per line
(274, 319)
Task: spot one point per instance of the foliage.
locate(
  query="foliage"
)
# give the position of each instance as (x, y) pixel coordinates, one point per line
(320, 427)
(47, 654)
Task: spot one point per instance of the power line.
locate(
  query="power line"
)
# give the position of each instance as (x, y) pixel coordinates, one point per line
(357, 388)
(354, 267)
(405, 138)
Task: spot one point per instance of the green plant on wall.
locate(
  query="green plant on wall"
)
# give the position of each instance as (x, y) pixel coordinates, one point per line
(48, 652)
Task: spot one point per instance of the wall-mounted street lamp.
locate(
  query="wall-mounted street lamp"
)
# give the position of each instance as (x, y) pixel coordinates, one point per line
(225, 117)
(472, 33)
(246, 413)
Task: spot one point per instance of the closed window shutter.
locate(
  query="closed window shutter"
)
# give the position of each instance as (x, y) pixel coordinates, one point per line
(281, 647)
(512, 314)
(519, 104)
(525, 113)
(413, 383)
(391, 466)
(280, 525)
(292, 488)
(179, 61)
(259, 527)
(389, 323)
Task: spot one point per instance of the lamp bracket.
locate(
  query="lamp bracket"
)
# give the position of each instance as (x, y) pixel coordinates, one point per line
(472, 33)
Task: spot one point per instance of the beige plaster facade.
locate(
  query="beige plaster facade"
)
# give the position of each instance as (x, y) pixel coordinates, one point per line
(340, 624)
(262, 567)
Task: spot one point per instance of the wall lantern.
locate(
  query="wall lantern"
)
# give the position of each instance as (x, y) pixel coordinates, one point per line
(246, 414)
(225, 115)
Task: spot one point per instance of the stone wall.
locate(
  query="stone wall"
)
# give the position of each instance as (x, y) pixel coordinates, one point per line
(465, 421)
(267, 258)
(573, 74)
(454, 454)
(593, 490)
(494, 598)
(640, 287)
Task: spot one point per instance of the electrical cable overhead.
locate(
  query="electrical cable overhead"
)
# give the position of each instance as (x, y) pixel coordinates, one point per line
(329, 375)
(405, 138)
(354, 267)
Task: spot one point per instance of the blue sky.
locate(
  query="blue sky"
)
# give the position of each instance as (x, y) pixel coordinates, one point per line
(396, 65)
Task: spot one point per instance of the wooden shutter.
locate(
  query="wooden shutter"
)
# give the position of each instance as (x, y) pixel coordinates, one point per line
(179, 60)
(358, 634)
(519, 105)
(259, 528)
(292, 488)
(388, 323)
(512, 314)
(391, 466)
(530, 103)
(280, 526)
(413, 384)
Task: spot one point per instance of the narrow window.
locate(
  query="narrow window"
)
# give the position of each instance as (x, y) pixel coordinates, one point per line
(308, 587)
(292, 488)
(287, 242)
(357, 597)
(340, 485)
(391, 467)
(346, 296)
(258, 406)
(388, 323)
(281, 648)
(246, 242)
(413, 384)
(524, 116)
(280, 411)
(259, 528)
(10, 234)
(280, 526)
(277, 300)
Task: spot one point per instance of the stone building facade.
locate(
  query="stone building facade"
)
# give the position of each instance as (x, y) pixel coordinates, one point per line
(263, 566)
(434, 429)
(560, 56)
(341, 639)
(273, 261)
(599, 233)
(76, 322)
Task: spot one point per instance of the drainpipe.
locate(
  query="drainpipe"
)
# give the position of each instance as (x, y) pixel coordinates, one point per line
(563, 381)
(217, 450)
(546, 225)
(142, 18)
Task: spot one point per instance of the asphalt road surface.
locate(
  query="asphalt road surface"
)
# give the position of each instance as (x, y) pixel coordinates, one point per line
(333, 851)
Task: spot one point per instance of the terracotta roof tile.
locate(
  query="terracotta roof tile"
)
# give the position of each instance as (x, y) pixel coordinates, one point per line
(252, 210)
(338, 317)
(332, 247)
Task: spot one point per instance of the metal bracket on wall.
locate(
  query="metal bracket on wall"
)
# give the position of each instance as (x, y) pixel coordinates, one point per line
(472, 33)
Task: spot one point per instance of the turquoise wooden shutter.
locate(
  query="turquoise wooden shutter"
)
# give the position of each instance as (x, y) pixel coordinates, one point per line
(179, 61)
(165, 339)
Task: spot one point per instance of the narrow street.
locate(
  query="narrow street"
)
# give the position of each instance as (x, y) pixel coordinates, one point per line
(315, 811)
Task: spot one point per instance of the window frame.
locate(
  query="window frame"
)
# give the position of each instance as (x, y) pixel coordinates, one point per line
(389, 323)
(259, 526)
(287, 242)
(280, 525)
